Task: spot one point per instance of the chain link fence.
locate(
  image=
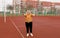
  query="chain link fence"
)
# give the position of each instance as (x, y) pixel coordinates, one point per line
(36, 7)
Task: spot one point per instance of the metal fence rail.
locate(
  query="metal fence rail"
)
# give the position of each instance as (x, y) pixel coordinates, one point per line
(36, 7)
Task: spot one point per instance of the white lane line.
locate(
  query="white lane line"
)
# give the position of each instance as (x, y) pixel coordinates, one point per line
(16, 27)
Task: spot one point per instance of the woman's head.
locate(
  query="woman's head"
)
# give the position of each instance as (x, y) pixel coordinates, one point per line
(28, 12)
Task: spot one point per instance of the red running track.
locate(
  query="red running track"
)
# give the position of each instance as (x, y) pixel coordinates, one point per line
(43, 27)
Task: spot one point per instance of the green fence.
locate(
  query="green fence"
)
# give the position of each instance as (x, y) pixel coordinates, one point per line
(50, 13)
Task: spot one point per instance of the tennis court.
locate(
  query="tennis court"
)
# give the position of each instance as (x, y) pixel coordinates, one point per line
(46, 23)
(43, 27)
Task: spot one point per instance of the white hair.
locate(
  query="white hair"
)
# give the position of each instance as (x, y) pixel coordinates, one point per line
(28, 11)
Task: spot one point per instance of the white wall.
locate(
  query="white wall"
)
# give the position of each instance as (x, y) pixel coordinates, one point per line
(1, 5)
(57, 6)
(51, 0)
(6, 2)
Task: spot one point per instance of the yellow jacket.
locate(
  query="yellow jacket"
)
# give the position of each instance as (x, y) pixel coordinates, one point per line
(28, 17)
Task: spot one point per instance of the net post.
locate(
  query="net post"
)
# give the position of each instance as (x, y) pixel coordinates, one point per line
(4, 12)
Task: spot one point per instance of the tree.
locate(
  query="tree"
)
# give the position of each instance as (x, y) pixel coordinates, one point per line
(10, 8)
(29, 7)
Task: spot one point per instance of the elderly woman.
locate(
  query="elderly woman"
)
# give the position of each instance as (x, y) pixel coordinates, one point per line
(28, 22)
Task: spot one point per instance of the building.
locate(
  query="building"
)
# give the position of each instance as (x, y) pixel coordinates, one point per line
(36, 4)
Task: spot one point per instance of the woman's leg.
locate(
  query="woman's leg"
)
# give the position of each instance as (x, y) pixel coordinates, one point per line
(30, 27)
(27, 27)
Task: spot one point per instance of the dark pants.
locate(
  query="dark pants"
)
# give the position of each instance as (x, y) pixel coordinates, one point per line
(28, 27)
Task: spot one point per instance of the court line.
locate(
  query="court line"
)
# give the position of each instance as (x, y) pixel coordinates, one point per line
(16, 27)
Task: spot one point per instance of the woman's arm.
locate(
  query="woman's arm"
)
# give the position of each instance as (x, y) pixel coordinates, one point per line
(33, 14)
(24, 14)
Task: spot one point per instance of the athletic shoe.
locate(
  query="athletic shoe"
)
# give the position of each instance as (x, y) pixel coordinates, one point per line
(27, 34)
(31, 34)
